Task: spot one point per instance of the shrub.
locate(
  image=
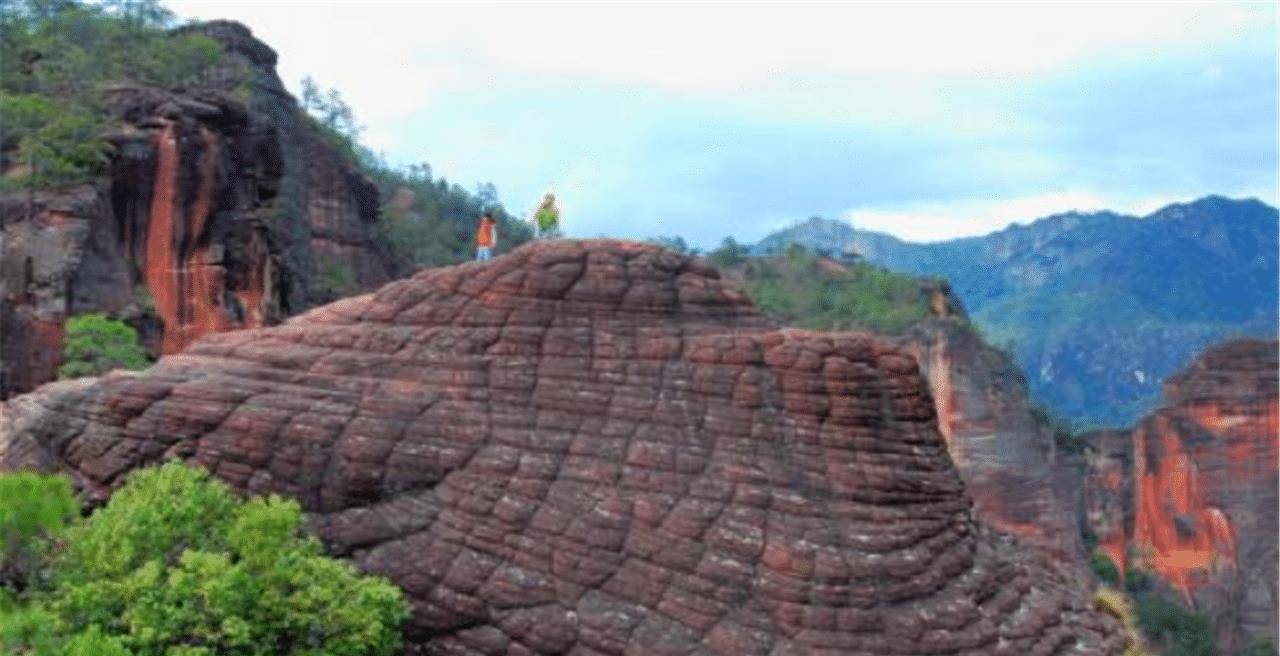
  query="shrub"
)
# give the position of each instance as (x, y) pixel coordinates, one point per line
(177, 564)
(1174, 629)
(96, 344)
(1115, 603)
(1104, 569)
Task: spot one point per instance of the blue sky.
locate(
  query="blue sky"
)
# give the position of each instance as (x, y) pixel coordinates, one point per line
(927, 121)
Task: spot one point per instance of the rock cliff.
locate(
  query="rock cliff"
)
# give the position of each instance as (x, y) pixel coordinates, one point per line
(590, 447)
(222, 209)
(1192, 497)
(1004, 450)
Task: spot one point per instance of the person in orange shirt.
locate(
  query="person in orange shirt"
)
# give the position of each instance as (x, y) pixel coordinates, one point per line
(486, 236)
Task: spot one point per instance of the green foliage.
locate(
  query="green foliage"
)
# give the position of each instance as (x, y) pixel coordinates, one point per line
(1104, 569)
(1258, 647)
(1172, 629)
(176, 564)
(730, 253)
(56, 58)
(429, 222)
(336, 278)
(33, 510)
(95, 344)
(813, 292)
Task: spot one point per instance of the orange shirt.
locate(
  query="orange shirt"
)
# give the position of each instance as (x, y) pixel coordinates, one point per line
(484, 235)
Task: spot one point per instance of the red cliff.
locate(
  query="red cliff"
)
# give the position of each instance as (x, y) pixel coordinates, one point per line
(1203, 486)
(216, 214)
(591, 447)
(1005, 451)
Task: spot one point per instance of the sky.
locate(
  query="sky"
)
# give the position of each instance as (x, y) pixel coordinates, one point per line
(925, 121)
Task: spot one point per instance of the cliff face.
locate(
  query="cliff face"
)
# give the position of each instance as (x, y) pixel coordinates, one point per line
(217, 214)
(1204, 490)
(590, 446)
(1004, 451)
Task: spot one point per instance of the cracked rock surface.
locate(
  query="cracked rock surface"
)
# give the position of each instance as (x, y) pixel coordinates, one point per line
(590, 447)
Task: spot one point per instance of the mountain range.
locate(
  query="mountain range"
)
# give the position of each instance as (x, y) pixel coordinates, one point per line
(1097, 308)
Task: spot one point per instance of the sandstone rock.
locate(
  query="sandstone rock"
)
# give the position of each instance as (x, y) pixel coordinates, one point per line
(590, 447)
(215, 215)
(1202, 490)
(1005, 452)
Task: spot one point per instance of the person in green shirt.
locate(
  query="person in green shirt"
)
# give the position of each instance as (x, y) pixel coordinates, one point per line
(547, 218)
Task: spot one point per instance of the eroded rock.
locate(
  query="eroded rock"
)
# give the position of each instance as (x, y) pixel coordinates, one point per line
(591, 447)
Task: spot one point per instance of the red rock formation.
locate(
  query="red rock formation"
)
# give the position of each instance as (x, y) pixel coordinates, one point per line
(223, 215)
(590, 447)
(1204, 490)
(1004, 451)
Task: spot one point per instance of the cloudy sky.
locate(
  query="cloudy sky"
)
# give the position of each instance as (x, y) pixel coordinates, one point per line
(927, 121)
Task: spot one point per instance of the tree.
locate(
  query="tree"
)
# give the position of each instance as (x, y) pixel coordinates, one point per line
(176, 564)
(96, 344)
(729, 253)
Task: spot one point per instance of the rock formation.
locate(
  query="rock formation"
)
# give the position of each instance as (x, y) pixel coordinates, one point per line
(1005, 451)
(590, 447)
(1200, 490)
(222, 207)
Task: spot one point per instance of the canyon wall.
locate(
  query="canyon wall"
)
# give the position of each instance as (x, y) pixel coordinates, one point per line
(591, 447)
(1192, 497)
(1004, 449)
(223, 208)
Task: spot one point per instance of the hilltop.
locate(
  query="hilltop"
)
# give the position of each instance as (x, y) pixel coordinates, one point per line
(1097, 308)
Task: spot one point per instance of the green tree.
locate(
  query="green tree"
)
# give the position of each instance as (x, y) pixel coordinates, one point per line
(1172, 628)
(176, 564)
(33, 510)
(730, 253)
(95, 344)
(1106, 571)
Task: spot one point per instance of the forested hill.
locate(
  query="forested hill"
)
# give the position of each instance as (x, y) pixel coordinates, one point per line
(1097, 308)
(161, 174)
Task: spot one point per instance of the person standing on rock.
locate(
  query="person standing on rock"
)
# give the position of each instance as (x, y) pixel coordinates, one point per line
(547, 218)
(486, 237)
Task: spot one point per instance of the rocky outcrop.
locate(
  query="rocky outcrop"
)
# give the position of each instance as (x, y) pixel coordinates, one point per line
(590, 447)
(1004, 449)
(222, 209)
(1203, 493)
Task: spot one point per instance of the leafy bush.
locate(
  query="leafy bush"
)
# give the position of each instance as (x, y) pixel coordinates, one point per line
(337, 279)
(1115, 603)
(1173, 629)
(1104, 569)
(33, 509)
(176, 564)
(95, 344)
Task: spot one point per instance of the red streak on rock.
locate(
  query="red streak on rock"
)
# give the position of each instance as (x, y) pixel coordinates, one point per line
(160, 265)
(1168, 492)
(187, 287)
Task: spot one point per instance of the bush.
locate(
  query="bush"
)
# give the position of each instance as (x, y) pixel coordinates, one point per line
(176, 564)
(95, 344)
(1104, 569)
(1173, 629)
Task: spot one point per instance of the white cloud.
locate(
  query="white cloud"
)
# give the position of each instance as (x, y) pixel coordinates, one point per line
(936, 221)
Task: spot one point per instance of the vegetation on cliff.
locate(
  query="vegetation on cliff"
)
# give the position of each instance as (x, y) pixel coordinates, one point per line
(1099, 307)
(810, 291)
(95, 344)
(56, 59)
(176, 564)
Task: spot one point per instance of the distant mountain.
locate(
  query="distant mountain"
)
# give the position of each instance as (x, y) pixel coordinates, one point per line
(1097, 308)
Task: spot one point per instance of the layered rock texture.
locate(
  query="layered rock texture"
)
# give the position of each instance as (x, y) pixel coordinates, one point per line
(1004, 449)
(1193, 496)
(596, 448)
(223, 209)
